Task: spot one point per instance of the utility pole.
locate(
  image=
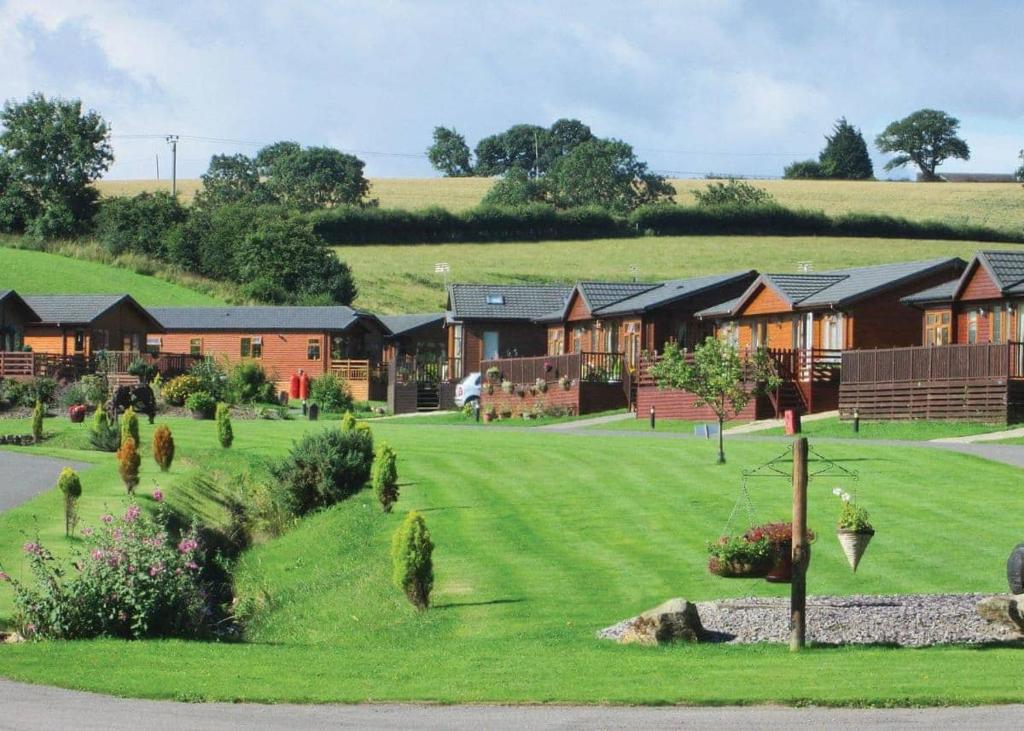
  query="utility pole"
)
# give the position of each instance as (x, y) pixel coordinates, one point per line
(798, 590)
(172, 140)
(536, 156)
(157, 156)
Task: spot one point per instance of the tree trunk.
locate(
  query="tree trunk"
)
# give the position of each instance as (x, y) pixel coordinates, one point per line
(721, 441)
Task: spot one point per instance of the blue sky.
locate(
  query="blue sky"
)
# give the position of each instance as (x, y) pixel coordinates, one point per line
(696, 86)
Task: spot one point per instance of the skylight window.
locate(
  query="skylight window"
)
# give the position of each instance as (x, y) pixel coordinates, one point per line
(495, 299)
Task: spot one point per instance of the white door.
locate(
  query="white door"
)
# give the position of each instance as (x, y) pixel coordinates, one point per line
(490, 344)
(809, 331)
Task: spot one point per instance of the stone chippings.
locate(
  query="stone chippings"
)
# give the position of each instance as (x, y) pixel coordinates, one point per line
(907, 620)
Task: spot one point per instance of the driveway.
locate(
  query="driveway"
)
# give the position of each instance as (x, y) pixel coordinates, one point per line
(23, 476)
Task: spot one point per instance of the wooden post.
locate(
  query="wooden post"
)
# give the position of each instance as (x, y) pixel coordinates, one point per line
(798, 591)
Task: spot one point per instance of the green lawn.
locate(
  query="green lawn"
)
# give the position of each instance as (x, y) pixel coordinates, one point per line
(457, 418)
(543, 538)
(914, 431)
(643, 424)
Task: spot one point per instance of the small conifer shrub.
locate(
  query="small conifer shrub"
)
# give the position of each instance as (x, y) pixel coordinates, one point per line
(128, 461)
(225, 434)
(411, 551)
(37, 421)
(384, 477)
(130, 425)
(103, 435)
(163, 447)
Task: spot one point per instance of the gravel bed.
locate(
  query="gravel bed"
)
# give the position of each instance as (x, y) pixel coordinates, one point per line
(906, 620)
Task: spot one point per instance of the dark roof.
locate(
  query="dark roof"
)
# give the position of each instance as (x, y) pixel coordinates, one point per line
(798, 287)
(319, 319)
(401, 324)
(673, 290)
(723, 309)
(599, 295)
(1006, 268)
(9, 295)
(80, 309)
(512, 301)
(933, 295)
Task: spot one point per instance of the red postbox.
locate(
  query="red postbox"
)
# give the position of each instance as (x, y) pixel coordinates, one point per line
(303, 386)
(791, 421)
(293, 386)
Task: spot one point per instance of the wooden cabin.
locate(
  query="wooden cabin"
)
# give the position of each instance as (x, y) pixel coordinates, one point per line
(420, 336)
(284, 340)
(15, 314)
(84, 324)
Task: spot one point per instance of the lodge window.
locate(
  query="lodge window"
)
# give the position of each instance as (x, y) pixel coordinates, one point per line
(251, 347)
(972, 327)
(577, 340)
(555, 341)
(153, 345)
(195, 346)
(313, 349)
(457, 342)
(1000, 319)
(937, 328)
(730, 334)
(79, 341)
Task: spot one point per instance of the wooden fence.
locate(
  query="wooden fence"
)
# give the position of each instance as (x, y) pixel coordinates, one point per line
(932, 363)
(53, 365)
(588, 367)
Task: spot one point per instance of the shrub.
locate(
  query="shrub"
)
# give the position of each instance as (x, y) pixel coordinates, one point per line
(71, 488)
(248, 382)
(143, 370)
(384, 477)
(212, 378)
(94, 389)
(733, 193)
(330, 392)
(129, 581)
(141, 224)
(176, 390)
(804, 170)
(163, 447)
(103, 435)
(130, 425)
(37, 421)
(128, 462)
(348, 421)
(225, 434)
(73, 395)
(324, 468)
(27, 393)
(201, 402)
(411, 552)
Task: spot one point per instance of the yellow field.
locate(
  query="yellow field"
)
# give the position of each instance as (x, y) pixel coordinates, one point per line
(1000, 205)
(395, 279)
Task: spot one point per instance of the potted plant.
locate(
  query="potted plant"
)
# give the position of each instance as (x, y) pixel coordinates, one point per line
(201, 404)
(780, 536)
(488, 388)
(494, 374)
(735, 557)
(76, 413)
(565, 382)
(506, 413)
(540, 385)
(507, 386)
(490, 415)
(854, 529)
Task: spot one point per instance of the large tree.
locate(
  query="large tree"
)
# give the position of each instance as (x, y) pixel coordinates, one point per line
(517, 147)
(926, 138)
(604, 173)
(845, 156)
(317, 177)
(231, 179)
(450, 154)
(53, 152)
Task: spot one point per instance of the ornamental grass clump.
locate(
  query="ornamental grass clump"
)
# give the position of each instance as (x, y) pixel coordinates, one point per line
(128, 462)
(324, 468)
(128, 581)
(384, 477)
(225, 434)
(130, 425)
(71, 488)
(412, 562)
(163, 447)
(103, 435)
(37, 421)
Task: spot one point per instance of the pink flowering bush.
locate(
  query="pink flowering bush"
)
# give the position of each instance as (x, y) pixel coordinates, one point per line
(129, 580)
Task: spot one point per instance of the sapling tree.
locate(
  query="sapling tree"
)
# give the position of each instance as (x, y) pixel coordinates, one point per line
(71, 488)
(225, 434)
(718, 376)
(384, 477)
(411, 552)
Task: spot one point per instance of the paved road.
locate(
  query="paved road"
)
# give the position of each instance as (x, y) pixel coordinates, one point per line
(23, 476)
(32, 707)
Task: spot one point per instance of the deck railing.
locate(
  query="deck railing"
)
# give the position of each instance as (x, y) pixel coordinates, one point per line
(804, 365)
(16, 364)
(935, 363)
(589, 367)
(54, 365)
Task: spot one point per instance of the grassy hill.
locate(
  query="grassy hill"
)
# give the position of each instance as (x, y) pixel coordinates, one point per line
(401, 278)
(1000, 205)
(37, 272)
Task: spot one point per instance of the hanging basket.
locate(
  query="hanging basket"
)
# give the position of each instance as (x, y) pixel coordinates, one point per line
(739, 569)
(854, 544)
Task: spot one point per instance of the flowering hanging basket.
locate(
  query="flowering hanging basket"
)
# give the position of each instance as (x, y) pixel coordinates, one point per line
(739, 569)
(854, 544)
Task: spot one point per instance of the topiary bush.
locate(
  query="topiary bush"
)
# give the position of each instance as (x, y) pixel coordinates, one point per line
(103, 435)
(128, 463)
(330, 392)
(324, 468)
(37, 421)
(163, 447)
(71, 488)
(130, 425)
(412, 562)
(384, 477)
(225, 434)
(176, 390)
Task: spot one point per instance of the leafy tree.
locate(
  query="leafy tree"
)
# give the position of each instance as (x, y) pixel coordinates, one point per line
(926, 138)
(515, 188)
(738, 193)
(269, 155)
(53, 152)
(845, 156)
(604, 173)
(71, 488)
(564, 136)
(412, 560)
(517, 147)
(317, 177)
(450, 154)
(231, 179)
(718, 377)
(1020, 171)
(803, 170)
(142, 224)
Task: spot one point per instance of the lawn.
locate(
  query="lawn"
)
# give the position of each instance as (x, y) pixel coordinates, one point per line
(401, 278)
(36, 272)
(457, 418)
(643, 424)
(914, 431)
(543, 538)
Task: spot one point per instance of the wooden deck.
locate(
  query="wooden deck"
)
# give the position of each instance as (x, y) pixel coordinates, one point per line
(25, 365)
(963, 382)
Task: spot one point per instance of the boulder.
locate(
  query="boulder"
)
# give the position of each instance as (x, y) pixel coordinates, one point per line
(1005, 609)
(673, 621)
(10, 638)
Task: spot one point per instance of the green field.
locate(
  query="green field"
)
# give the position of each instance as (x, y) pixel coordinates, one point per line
(37, 272)
(543, 538)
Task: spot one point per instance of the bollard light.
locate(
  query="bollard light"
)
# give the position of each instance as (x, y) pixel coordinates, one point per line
(652, 417)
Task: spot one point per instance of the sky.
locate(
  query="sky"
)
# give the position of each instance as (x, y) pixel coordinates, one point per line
(696, 86)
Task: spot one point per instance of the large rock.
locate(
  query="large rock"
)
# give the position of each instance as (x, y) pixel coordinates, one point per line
(673, 621)
(1005, 609)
